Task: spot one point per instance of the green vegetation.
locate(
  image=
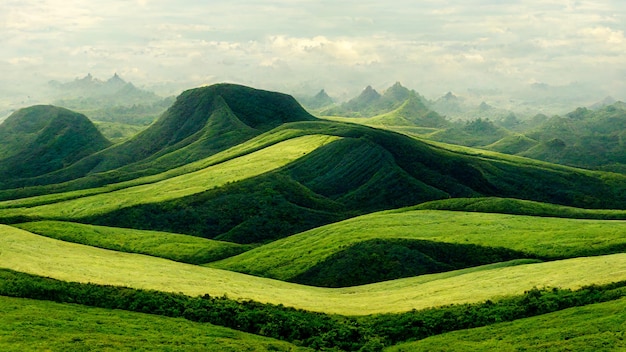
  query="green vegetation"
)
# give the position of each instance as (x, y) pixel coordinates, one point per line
(30, 325)
(181, 248)
(236, 169)
(29, 253)
(42, 139)
(520, 207)
(314, 330)
(387, 259)
(118, 132)
(597, 327)
(538, 237)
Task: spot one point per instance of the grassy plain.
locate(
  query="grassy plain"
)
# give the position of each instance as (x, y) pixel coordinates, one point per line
(182, 248)
(233, 170)
(30, 325)
(540, 236)
(596, 327)
(29, 253)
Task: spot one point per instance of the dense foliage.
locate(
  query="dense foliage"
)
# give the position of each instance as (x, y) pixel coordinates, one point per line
(304, 328)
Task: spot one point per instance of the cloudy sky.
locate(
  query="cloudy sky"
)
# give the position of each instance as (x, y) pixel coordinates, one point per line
(300, 46)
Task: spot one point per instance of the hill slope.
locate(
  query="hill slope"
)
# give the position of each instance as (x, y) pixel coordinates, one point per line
(44, 138)
(25, 252)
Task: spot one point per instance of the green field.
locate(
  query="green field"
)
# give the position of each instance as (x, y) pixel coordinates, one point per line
(596, 327)
(30, 325)
(182, 248)
(240, 168)
(541, 236)
(29, 253)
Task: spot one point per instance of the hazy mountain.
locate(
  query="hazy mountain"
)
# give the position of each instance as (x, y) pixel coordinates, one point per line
(318, 101)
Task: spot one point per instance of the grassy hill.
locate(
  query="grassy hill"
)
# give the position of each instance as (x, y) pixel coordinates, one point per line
(341, 254)
(182, 248)
(26, 252)
(201, 122)
(30, 325)
(44, 138)
(598, 327)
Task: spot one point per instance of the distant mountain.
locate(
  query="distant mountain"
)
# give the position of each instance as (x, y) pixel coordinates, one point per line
(319, 101)
(476, 133)
(583, 138)
(200, 123)
(459, 108)
(115, 90)
(370, 103)
(112, 100)
(44, 138)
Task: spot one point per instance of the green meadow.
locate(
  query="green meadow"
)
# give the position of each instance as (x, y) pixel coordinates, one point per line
(596, 327)
(542, 237)
(31, 325)
(182, 248)
(240, 168)
(29, 253)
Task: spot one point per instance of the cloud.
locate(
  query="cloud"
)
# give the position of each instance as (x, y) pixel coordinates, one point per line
(432, 46)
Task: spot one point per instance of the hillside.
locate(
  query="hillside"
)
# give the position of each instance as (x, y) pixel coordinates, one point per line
(386, 245)
(583, 138)
(29, 253)
(75, 327)
(43, 139)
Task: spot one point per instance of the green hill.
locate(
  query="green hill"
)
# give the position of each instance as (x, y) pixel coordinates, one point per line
(29, 253)
(44, 138)
(201, 122)
(30, 325)
(583, 138)
(411, 242)
(597, 327)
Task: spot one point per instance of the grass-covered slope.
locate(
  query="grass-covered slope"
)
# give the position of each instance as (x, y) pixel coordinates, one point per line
(30, 325)
(327, 254)
(597, 327)
(29, 253)
(306, 174)
(196, 182)
(182, 248)
(44, 138)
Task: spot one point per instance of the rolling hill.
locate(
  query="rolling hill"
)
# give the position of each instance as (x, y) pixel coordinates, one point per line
(43, 139)
(356, 237)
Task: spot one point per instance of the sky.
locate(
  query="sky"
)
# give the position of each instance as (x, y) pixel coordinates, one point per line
(571, 49)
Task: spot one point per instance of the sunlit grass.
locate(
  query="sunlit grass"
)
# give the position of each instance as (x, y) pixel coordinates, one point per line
(233, 170)
(30, 325)
(183, 248)
(596, 327)
(29, 253)
(540, 236)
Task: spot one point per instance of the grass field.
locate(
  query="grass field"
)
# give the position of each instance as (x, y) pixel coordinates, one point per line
(26, 252)
(540, 236)
(250, 146)
(233, 170)
(182, 248)
(596, 327)
(30, 325)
